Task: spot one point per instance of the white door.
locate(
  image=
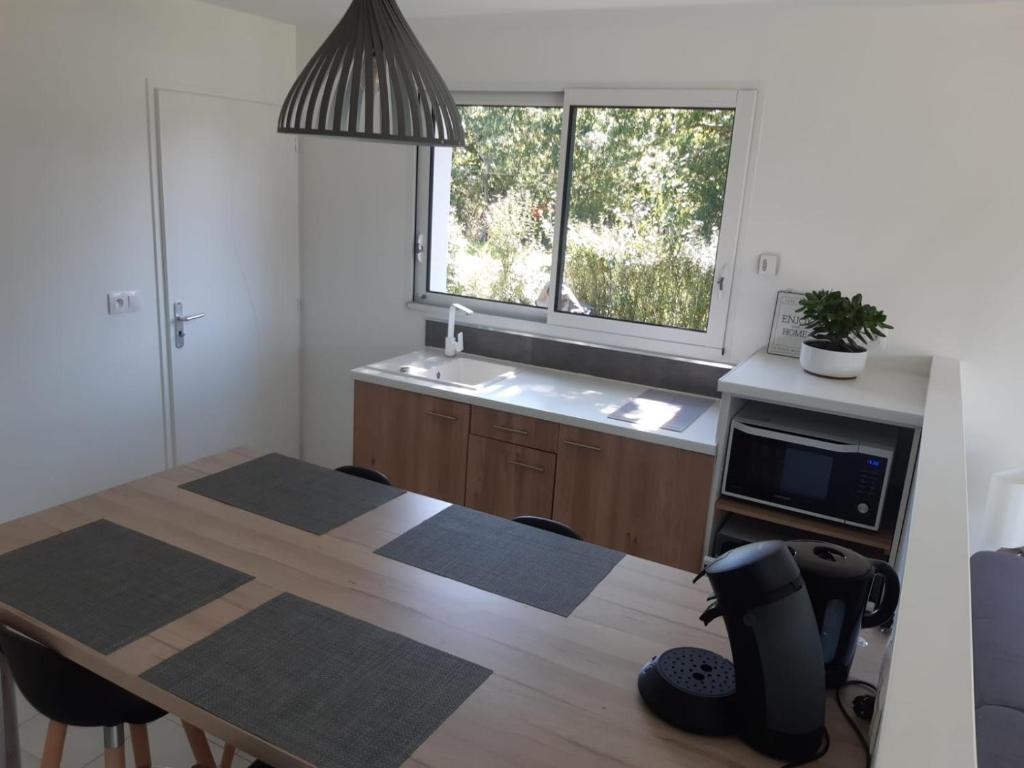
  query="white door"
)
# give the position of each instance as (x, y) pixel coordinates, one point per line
(229, 195)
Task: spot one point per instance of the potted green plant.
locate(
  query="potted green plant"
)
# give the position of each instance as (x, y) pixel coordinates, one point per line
(840, 328)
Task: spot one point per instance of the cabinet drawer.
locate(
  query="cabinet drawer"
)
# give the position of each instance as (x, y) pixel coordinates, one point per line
(513, 428)
(509, 480)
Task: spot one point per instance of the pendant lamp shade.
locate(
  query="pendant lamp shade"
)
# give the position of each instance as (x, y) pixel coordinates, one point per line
(371, 79)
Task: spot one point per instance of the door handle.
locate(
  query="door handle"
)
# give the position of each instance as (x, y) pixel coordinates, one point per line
(179, 323)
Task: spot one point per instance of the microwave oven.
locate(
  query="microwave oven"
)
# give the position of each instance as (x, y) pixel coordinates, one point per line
(810, 463)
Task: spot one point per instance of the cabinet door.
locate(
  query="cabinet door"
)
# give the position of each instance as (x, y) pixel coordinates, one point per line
(419, 442)
(644, 499)
(509, 480)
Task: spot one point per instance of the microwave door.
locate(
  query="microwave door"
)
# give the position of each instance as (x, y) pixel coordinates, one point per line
(785, 470)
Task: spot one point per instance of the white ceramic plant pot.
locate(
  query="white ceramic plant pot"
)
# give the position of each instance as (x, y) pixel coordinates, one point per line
(834, 365)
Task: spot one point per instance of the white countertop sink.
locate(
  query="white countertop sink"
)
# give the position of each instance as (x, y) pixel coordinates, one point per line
(460, 371)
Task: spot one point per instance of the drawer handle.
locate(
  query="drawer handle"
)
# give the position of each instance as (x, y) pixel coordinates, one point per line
(444, 416)
(584, 446)
(513, 430)
(521, 465)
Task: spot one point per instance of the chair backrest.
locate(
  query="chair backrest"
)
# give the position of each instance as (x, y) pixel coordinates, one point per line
(547, 524)
(367, 474)
(63, 691)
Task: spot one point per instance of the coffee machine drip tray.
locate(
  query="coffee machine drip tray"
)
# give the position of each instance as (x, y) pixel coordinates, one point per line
(691, 688)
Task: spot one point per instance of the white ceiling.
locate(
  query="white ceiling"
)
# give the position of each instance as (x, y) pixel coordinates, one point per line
(308, 12)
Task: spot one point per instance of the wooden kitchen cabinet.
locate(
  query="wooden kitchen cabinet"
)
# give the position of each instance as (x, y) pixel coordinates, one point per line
(419, 442)
(509, 480)
(644, 499)
(634, 496)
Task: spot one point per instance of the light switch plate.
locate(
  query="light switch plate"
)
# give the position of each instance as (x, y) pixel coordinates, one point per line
(122, 302)
(768, 264)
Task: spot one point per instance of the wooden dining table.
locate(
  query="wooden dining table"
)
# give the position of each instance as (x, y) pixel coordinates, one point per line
(563, 692)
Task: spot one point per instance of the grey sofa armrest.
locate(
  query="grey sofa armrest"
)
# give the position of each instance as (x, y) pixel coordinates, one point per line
(997, 615)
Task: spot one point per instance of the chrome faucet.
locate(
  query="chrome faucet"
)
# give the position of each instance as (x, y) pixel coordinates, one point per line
(454, 344)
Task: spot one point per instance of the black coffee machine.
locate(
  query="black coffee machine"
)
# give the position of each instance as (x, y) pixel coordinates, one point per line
(839, 581)
(773, 693)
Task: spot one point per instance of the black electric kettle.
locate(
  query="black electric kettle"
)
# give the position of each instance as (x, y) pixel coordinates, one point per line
(838, 581)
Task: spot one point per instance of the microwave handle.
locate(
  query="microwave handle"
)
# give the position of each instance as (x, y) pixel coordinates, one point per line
(797, 439)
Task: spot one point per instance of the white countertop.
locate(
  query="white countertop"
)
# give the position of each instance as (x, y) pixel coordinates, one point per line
(889, 390)
(544, 393)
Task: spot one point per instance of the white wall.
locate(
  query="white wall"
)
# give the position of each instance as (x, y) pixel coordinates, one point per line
(887, 161)
(80, 392)
(356, 203)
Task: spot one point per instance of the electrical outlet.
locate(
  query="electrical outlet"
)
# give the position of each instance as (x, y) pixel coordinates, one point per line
(122, 302)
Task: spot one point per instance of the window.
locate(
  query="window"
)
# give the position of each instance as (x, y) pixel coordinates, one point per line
(492, 220)
(631, 199)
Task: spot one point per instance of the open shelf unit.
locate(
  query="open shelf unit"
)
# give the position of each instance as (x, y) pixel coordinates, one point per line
(891, 391)
(880, 540)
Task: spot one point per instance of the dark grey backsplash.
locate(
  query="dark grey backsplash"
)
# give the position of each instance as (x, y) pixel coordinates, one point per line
(649, 370)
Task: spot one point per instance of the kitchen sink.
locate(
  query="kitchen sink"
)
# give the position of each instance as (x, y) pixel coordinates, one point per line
(459, 371)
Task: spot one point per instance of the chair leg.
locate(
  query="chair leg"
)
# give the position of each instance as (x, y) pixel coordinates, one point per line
(200, 746)
(113, 747)
(53, 749)
(140, 746)
(228, 756)
(114, 758)
(10, 748)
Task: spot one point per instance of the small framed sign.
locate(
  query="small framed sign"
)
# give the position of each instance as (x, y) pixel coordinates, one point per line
(788, 331)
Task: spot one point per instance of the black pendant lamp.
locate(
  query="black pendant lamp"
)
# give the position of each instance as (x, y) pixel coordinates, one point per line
(371, 79)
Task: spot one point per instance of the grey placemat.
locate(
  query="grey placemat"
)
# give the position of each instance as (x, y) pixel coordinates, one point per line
(326, 687)
(680, 410)
(538, 568)
(106, 585)
(294, 492)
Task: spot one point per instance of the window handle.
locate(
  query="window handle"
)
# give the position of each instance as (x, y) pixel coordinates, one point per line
(723, 271)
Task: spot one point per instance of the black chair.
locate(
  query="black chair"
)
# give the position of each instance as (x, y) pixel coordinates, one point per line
(67, 694)
(549, 525)
(367, 474)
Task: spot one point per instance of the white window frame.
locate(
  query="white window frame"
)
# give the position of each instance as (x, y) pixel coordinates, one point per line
(424, 212)
(586, 328)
